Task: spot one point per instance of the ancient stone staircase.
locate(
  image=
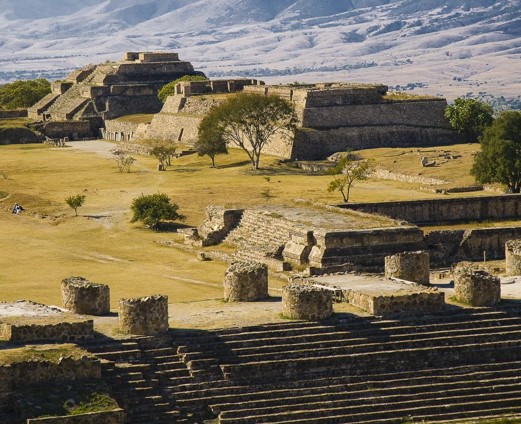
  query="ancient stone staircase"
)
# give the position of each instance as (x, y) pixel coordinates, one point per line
(462, 364)
(261, 237)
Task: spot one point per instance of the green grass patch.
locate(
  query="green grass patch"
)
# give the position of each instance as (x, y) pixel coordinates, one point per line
(139, 118)
(400, 96)
(51, 353)
(67, 398)
(14, 123)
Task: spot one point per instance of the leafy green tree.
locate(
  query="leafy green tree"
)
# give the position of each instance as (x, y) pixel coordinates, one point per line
(249, 121)
(210, 141)
(470, 117)
(169, 89)
(75, 202)
(154, 208)
(347, 172)
(23, 94)
(499, 160)
(163, 151)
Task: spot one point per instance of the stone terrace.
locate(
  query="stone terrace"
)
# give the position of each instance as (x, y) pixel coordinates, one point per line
(462, 364)
(277, 235)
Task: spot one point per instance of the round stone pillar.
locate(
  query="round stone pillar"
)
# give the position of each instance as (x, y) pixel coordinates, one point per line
(302, 301)
(81, 296)
(410, 266)
(513, 257)
(146, 316)
(477, 288)
(246, 282)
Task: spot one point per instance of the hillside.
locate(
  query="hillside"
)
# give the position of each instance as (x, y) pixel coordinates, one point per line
(444, 47)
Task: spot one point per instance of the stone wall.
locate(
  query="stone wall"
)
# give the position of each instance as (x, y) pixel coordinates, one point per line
(116, 130)
(513, 257)
(303, 301)
(410, 266)
(363, 246)
(435, 211)
(19, 135)
(245, 282)
(313, 144)
(423, 302)
(449, 246)
(429, 114)
(27, 373)
(177, 128)
(60, 332)
(146, 316)
(14, 113)
(107, 417)
(219, 222)
(84, 297)
(75, 130)
(477, 288)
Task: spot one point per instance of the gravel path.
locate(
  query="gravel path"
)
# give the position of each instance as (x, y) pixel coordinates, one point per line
(101, 147)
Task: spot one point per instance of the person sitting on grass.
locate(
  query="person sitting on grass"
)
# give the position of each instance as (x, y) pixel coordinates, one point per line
(17, 209)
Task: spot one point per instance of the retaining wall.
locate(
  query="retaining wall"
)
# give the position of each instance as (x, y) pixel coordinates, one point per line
(60, 332)
(434, 211)
(14, 113)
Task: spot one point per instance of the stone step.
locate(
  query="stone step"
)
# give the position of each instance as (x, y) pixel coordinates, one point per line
(197, 360)
(362, 401)
(109, 346)
(401, 359)
(358, 393)
(335, 340)
(224, 389)
(327, 413)
(120, 356)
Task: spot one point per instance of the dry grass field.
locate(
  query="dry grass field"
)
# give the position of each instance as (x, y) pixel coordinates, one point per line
(47, 242)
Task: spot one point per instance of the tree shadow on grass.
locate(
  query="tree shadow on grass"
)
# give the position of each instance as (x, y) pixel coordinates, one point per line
(171, 227)
(234, 165)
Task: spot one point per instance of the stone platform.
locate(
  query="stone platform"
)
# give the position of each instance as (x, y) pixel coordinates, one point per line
(383, 297)
(25, 321)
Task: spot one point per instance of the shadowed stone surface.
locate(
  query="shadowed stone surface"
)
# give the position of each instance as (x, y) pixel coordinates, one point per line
(145, 316)
(246, 282)
(477, 288)
(410, 266)
(513, 257)
(302, 301)
(81, 296)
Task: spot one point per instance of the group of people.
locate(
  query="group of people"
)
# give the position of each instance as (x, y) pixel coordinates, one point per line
(17, 208)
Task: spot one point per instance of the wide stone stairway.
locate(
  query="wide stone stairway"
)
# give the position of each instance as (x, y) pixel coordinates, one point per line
(464, 364)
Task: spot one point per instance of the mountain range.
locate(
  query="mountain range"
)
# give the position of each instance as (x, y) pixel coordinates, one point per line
(443, 47)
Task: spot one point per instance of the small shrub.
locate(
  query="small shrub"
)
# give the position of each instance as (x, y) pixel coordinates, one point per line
(152, 209)
(75, 202)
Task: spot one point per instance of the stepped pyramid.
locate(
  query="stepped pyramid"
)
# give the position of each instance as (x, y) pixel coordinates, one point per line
(94, 93)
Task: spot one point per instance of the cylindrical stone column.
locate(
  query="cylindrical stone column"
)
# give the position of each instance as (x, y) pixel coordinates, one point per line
(513, 257)
(146, 316)
(246, 282)
(477, 288)
(81, 296)
(302, 301)
(410, 266)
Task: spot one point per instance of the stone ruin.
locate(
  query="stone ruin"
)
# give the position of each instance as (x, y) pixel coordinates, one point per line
(476, 287)
(331, 118)
(146, 316)
(513, 257)
(78, 106)
(409, 266)
(25, 321)
(246, 282)
(306, 302)
(81, 296)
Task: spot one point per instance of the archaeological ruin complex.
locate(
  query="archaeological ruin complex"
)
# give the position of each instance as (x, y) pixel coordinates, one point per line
(78, 106)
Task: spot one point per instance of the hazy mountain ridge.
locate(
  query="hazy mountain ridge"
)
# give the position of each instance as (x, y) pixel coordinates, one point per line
(270, 37)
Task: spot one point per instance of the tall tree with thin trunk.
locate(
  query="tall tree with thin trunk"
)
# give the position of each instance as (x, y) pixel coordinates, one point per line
(250, 121)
